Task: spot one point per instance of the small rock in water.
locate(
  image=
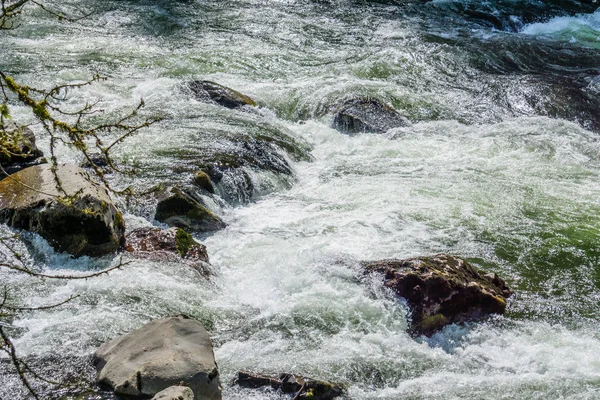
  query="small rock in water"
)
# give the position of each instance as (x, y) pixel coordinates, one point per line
(175, 393)
(81, 221)
(208, 91)
(181, 208)
(367, 115)
(163, 353)
(300, 387)
(442, 290)
(19, 150)
(98, 160)
(203, 181)
(170, 245)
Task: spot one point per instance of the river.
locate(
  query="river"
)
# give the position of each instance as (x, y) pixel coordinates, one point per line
(501, 166)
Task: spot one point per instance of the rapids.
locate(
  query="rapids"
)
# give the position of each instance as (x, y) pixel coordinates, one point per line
(501, 166)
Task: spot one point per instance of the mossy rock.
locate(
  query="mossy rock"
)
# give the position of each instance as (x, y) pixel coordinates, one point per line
(203, 181)
(82, 220)
(442, 290)
(168, 245)
(18, 149)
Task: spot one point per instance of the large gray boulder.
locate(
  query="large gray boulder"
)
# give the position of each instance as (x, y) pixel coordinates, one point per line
(442, 290)
(175, 393)
(82, 220)
(18, 149)
(167, 352)
(367, 114)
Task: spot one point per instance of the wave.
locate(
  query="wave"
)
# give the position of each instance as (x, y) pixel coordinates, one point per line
(583, 28)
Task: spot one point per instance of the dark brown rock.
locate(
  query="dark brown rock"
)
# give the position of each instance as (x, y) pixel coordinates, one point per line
(299, 386)
(367, 115)
(213, 92)
(82, 220)
(442, 290)
(170, 245)
(18, 149)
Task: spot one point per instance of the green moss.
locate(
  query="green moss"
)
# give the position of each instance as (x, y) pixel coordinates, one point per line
(432, 323)
(199, 213)
(202, 180)
(183, 242)
(119, 223)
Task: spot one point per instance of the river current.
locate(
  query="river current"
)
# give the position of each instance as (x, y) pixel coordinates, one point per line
(501, 166)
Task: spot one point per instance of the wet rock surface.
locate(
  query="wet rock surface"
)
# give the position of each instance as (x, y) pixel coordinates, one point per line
(82, 220)
(19, 149)
(367, 115)
(299, 386)
(204, 181)
(170, 245)
(163, 353)
(182, 208)
(175, 393)
(442, 290)
(213, 92)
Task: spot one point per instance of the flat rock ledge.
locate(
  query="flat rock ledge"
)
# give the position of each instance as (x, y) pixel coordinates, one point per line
(163, 353)
(442, 290)
(298, 386)
(175, 393)
(170, 245)
(81, 221)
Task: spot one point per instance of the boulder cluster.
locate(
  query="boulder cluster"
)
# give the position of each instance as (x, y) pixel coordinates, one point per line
(172, 358)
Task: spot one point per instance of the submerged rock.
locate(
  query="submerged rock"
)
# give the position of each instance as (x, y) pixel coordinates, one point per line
(175, 393)
(183, 209)
(367, 115)
(163, 353)
(171, 245)
(442, 290)
(18, 149)
(301, 387)
(243, 155)
(208, 91)
(82, 221)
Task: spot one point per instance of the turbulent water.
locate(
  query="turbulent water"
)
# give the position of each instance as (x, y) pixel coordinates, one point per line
(501, 166)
